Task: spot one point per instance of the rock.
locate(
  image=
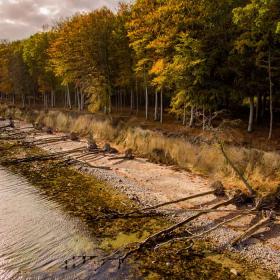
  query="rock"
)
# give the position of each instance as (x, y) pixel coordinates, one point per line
(241, 199)
(128, 154)
(219, 188)
(91, 143)
(74, 136)
(38, 126)
(11, 122)
(49, 130)
(160, 156)
(108, 149)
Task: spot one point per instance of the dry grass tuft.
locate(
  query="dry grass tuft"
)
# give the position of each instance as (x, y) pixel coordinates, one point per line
(261, 168)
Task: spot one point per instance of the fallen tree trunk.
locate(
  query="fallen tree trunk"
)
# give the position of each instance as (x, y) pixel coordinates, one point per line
(199, 235)
(42, 157)
(48, 140)
(238, 172)
(6, 126)
(174, 201)
(153, 238)
(253, 229)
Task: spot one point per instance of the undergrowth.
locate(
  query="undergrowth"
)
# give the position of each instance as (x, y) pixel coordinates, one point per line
(261, 168)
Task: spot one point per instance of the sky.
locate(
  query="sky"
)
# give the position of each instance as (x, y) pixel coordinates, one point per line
(21, 18)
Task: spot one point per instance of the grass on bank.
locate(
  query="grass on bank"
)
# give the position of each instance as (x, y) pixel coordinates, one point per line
(261, 168)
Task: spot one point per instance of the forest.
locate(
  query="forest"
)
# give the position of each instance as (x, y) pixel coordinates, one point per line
(190, 59)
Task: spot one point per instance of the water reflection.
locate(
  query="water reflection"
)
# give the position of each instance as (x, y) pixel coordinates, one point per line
(36, 236)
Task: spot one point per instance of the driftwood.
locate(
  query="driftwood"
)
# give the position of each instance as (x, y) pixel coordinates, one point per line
(43, 157)
(157, 238)
(233, 211)
(149, 210)
(238, 172)
(121, 157)
(12, 137)
(253, 229)
(174, 201)
(203, 233)
(4, 127)
(16, 133)
(95, 166)
(48, 140)
(89, 154)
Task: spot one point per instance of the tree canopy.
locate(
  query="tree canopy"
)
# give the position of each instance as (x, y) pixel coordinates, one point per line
(202, 56)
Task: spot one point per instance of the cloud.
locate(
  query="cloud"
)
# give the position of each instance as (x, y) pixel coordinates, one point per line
(21, 18)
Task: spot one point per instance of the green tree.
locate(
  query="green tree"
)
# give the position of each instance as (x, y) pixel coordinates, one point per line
(259, 24)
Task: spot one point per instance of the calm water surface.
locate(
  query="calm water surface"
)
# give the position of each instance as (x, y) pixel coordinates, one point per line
(36, 236)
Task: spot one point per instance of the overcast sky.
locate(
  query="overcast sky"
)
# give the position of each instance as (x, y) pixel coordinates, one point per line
(21, 18)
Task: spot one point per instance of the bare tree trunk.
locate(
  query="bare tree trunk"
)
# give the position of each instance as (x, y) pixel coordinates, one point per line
(65, 99)
(204, 119)
(184, 116)
(78, 99)
(251, 115)
(109, 101)
(47, 101)
(117, 100)
(192, 117)
(270, 96)
(34, 96)
(258, 106)
(23, 100)
(137, 98)
(161, 106)
(131, 100)
(52, 98)
(82, 103)
(146, 101)
(121, 100)
(156, 106)
(45, 106)
(263, 105)
(75, 97)
(69, 98)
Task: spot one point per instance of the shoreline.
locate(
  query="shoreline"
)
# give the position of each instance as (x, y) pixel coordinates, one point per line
(149, 184)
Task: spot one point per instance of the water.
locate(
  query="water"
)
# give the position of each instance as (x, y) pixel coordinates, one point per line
(36, 236)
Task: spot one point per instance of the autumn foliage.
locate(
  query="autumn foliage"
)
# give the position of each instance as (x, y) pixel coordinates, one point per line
(189, 58)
